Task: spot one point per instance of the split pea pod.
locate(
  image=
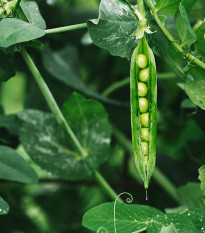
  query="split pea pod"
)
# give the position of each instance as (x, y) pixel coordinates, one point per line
(143, 91)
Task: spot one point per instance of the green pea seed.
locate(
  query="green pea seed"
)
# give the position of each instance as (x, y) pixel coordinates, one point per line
(143, 104)
(144, 148)
(144, 75)
(141, 61)
(144, 119)
(142, 89)
(145, 134)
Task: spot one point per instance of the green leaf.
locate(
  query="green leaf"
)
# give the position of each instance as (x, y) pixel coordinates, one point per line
(32, 13)
(200, 33)
(114, 28)
(134, 218)
(4, 207)
(186, 32)
(190, 196)
(202, 179)
(13, 31)
(64, 66)
(167, 7)
(197, 216)
(169, 229)
(50, 147)
(195, 86)
(6, 68)
(13, 167)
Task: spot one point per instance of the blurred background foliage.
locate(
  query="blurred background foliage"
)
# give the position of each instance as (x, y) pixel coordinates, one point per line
(57, 206)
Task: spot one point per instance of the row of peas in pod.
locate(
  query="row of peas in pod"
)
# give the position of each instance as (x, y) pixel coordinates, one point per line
(143, 85)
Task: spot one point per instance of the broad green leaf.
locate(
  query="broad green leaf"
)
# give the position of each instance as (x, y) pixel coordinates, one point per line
(184, 28)
(51, 148)
(6, 68)
(114, 29)
(134, 218)
(190, 196)
(169, 229)
(13, 31)
(200, 33)
(4, 207)
(14, 167)
(64, 66)
(167, 7)
(32, 13)
(195, 86)
(202, 179)
(197, 216)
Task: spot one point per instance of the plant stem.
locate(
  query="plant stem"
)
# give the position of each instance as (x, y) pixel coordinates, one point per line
(61, 120)
(140, 5)
(116, 86)
(113, 87)
(159, 177)
(178, 47)
(105, 186)
(66, 28)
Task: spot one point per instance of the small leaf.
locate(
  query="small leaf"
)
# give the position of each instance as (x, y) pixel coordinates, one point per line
(195, 87)
(167, 7)
(190, 196)
(200, 33)
(32, 13)
(6, 68)
(13, 167)
(114, 28)
(202, 179)
(51, 148)
(13, 31)
(4, 207)
(185, 30)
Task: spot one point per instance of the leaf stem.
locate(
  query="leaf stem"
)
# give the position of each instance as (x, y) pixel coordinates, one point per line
(61, 120)
(177, 46)
(50, 100)
(126, 81)
(140, 5)
(66, 28)
(158, 175)
(105, 186)
(116, 86)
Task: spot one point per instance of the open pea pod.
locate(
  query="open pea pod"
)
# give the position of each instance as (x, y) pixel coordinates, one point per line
(144, 159)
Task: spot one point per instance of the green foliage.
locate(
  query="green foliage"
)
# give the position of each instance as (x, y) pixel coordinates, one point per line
(6, 68)
(167, 7)
(49, 146)
(115, 28)
(202, 179)
(32, 13)
(200, 33)
(137, 218)
(185, 30)
(4, 207)
(13, 31)
(15, 169)
(195, 86)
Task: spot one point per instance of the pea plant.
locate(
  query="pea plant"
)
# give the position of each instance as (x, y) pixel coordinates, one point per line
(71, 160)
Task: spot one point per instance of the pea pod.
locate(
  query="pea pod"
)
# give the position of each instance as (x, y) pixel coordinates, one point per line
(144, 163)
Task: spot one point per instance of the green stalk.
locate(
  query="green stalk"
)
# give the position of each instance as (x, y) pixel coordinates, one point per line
(66, 28)
(178, 47)
(140, 5)
(61, 120)
(158, 176)
(116, 86)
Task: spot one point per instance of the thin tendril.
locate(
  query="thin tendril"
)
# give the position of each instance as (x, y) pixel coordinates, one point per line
(102, 228)
(128, 200)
